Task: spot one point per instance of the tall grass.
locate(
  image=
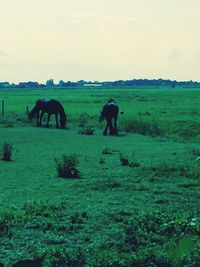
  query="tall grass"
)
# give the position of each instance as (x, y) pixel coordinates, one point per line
(140, 126)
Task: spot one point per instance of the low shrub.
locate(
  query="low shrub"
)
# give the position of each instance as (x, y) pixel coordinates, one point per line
(7, 150)
(162, 226)
(62, 256)
(67, 166)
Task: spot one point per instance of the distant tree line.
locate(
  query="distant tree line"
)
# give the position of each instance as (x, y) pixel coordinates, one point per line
(120, 83)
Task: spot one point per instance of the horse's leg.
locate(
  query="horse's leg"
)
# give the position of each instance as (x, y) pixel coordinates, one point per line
(56, 116)
(106, 129)
(41, 115)
(48, 119)
(111, 130)
(38, 118)
(115, 125)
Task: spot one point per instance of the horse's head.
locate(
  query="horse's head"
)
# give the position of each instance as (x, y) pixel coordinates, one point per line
(32, 113)
(63, 120)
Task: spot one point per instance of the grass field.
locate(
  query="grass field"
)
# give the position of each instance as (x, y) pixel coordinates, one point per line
(144, 214)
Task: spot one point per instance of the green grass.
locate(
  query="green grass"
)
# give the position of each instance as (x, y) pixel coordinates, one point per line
(114, 215)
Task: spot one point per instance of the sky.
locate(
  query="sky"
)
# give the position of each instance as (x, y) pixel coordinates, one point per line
(100, 40)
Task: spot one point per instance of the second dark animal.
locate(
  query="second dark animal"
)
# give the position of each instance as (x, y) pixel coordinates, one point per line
(110, 114)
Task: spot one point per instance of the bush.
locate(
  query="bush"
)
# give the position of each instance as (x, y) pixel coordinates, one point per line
(67, 166)
(7, 150)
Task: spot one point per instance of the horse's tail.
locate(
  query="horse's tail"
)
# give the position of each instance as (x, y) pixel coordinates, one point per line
(32, 113)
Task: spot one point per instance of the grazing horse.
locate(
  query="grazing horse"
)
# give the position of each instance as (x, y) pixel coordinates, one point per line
(51, 107)
(110, 112)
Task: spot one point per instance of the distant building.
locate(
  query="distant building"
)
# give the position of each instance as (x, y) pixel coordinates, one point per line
(92, 84)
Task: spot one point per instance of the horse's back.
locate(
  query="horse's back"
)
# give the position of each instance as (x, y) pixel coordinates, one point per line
(49, 106)
(111, 110)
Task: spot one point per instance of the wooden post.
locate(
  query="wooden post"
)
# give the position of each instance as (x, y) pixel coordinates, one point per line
(2, 108)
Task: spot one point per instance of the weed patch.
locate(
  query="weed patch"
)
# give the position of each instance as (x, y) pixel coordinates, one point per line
(67, 166)
(7, 150)
(128, 161)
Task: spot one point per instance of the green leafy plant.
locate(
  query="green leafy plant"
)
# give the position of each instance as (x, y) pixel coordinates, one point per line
(67, 166)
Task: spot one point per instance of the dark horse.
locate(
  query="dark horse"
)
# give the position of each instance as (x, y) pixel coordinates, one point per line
(51, 107)
(110, 112)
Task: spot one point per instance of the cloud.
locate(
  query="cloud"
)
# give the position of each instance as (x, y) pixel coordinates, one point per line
(175, 54)
(4, 58)
(3, 53)
(75, 23)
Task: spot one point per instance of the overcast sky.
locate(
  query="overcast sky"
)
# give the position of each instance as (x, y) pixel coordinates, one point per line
(99, 39)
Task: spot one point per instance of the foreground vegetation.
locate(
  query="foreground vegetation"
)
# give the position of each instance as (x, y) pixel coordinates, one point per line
(135, 200)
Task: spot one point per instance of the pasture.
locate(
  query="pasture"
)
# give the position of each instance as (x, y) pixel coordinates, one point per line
(145, 213)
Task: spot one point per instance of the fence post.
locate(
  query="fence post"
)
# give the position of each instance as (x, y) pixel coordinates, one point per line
(27, 110)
